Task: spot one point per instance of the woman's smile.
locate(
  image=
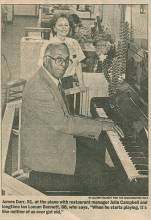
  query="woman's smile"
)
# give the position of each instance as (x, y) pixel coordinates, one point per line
(62, 27)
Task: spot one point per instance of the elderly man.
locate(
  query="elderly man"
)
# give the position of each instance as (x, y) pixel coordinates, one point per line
(48, 131)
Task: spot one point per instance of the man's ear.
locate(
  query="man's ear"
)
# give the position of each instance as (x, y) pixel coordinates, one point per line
(45, 60)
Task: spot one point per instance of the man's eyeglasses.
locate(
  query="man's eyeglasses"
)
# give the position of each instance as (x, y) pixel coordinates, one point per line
(60, 60)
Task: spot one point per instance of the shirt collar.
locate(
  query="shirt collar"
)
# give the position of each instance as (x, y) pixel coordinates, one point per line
(56, 81)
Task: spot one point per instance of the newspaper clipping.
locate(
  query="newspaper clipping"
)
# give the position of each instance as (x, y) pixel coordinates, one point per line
(74, 109)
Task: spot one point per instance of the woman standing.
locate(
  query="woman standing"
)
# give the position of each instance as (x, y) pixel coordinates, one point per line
(73, 77)
(61, 29)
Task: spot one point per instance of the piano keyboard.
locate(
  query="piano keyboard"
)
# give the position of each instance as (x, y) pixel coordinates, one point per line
(132, 158)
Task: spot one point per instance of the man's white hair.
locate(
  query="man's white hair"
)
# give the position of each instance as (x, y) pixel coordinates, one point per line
(53, 41)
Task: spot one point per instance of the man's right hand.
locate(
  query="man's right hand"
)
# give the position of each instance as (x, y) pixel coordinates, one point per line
(107, 124)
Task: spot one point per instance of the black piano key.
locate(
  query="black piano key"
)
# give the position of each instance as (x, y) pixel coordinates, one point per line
(143, 172)
(141, 167)
(136, 154)
(129, 143)
(134, 149)
(138, 160)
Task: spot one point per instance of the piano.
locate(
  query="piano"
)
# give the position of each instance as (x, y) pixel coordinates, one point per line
(127, 144)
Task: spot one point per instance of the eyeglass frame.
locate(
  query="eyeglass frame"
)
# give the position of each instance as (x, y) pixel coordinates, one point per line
(63, 60)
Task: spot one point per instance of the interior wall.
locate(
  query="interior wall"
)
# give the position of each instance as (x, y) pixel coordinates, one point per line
(30, 10)
(111, 18)
(139, 23)
(111, 15)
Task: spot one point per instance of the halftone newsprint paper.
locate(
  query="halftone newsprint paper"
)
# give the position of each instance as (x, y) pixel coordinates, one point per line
(111, 44)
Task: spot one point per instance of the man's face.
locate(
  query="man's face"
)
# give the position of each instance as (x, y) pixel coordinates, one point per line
(57, 60)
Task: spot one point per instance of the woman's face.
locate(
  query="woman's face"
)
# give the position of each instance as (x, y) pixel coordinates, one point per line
(62, 27)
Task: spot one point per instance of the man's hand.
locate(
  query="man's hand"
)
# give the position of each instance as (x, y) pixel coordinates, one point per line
(107, 124)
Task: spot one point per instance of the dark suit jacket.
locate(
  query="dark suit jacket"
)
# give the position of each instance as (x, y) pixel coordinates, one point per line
(47, 131)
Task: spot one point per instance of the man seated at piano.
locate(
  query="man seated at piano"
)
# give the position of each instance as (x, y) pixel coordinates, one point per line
(49, 132)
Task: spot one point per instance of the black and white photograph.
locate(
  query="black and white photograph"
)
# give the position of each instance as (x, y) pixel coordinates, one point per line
(74, 99)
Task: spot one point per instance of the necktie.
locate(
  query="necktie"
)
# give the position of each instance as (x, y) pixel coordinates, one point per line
(61, 90)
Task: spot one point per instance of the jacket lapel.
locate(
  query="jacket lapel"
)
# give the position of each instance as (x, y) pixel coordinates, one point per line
(53, 88)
